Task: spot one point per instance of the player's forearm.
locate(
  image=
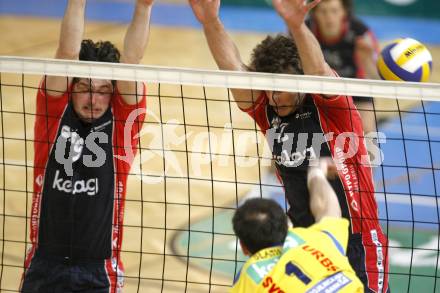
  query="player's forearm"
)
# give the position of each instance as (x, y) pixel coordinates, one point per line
(72, 30)
(222, 48)
(323, 199)
(227, 57)
(136, 38)
(312, 58)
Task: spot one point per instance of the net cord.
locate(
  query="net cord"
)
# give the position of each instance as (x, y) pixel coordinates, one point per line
(222, 79)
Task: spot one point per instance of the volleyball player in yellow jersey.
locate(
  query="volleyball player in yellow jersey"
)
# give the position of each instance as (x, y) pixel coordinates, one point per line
(297, 259)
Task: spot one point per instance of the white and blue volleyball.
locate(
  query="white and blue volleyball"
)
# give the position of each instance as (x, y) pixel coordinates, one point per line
(405, 60)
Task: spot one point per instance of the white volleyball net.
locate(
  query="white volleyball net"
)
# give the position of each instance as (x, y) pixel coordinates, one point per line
(199, 156)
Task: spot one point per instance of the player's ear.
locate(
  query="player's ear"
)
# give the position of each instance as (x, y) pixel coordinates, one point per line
(244, 249)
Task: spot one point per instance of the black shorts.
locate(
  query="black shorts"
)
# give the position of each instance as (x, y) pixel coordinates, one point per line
(63, 276)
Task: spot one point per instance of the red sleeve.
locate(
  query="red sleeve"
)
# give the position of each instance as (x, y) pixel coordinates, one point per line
(258, 111)
(48, 105)
(338, 114)
(122, 110)
(49, 112)
(130, 117)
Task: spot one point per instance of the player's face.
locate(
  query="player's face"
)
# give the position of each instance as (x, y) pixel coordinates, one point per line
(329, 16)
(284, 103)
(91, 98)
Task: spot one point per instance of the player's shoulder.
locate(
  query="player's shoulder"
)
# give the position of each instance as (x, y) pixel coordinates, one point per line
(331, 224)
(295, 237)
(358, 26)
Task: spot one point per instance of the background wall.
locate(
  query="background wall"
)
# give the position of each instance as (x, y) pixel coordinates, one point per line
(414, 8)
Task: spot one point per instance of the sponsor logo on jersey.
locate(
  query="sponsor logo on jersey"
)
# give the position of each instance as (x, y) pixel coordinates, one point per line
(321, 258)
(258, 270)
(288, 156)
(89, 186)
(271, 286)
(349, 178)
(295, 159)
(331, 284)
(267, 253)
(305, 115)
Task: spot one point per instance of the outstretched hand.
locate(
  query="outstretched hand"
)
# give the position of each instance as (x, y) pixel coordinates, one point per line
(205, 10)
(294, 11)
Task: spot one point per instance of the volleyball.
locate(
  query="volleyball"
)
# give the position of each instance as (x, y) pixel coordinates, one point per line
(405, 60)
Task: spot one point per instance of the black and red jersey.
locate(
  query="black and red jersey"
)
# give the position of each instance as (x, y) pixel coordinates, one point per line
(340, 52)
(327, 127)
(80, 176)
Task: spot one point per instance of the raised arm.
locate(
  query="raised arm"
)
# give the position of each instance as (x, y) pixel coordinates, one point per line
(293, 13)
(69, 45)
(222, 48)
(323, 199)
(135, 43)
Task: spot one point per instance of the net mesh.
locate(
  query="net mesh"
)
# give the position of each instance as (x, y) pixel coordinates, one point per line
(199, 156)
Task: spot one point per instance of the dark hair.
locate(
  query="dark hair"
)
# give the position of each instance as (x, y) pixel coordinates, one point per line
(100, 52)
(260, 223)
(276, 55)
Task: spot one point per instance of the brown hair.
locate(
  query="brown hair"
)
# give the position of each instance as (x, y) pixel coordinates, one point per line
(276, 55)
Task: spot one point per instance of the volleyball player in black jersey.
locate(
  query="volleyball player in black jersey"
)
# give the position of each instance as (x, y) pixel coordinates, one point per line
(301, 127)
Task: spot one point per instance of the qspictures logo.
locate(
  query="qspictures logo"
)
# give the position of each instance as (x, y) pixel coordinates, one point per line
(70, 142)
(161, 143)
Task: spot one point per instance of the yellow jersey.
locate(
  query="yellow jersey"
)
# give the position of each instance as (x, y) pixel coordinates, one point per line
(311, 260)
